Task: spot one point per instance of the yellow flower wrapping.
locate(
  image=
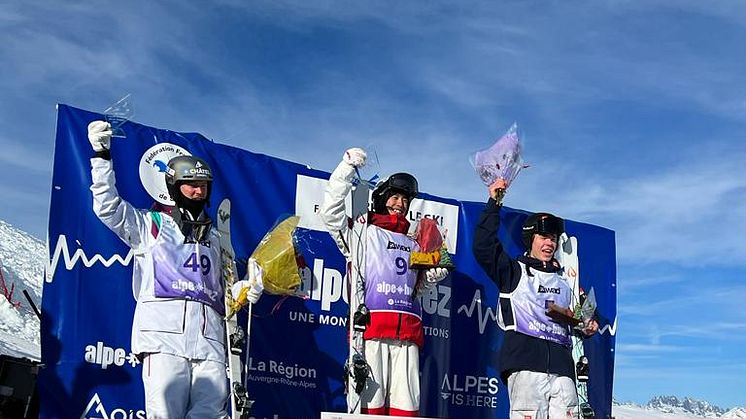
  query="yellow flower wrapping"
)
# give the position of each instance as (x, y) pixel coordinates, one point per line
(277, 257)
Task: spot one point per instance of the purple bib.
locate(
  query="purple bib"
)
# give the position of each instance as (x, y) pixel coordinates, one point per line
(530, 301)
(187, 271)
(389, 281)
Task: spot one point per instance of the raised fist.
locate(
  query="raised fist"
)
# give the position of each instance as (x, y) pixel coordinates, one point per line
(99, 134)
(355, 157)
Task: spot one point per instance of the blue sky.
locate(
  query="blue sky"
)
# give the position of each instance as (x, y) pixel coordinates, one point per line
(633, 115)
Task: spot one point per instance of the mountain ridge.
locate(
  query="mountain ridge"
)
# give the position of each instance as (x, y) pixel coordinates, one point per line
(668, 406)
(22, 258)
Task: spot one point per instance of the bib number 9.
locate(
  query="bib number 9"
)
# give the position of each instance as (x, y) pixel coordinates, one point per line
(401, 266)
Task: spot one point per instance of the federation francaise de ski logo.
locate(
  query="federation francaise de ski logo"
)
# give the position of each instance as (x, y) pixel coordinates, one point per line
(153, 166)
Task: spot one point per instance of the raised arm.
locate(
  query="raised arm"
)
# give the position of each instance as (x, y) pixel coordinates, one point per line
(487, 249)
(127, 222)
(333, 207)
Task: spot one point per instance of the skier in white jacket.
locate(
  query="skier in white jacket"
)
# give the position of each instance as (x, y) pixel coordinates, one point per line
(394, 336)
(178, 329)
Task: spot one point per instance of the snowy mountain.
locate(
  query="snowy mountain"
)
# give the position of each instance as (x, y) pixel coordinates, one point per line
(22, 258)
(671, 404)
(671, 407)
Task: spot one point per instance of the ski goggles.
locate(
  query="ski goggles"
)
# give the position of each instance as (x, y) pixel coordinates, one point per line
(550, 224)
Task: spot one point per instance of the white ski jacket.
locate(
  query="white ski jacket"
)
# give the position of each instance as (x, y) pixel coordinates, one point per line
(182, 327)
(394, 314)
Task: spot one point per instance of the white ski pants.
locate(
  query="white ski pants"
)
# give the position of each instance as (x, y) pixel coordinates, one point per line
(394, 384)
(176, 387)
(537, 395)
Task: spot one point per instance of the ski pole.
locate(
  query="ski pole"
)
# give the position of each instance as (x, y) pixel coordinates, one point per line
(31, 302)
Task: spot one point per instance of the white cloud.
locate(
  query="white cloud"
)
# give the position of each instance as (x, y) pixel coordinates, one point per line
(472, 71)
(687, 213)
(644, 348)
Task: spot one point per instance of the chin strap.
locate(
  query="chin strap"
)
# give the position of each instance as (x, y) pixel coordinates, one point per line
(194, 230)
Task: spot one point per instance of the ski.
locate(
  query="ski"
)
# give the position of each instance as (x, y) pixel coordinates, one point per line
(236, 338)
(568, 258)
(357, 370)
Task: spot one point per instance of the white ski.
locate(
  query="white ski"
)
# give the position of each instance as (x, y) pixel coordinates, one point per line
(567, 253)
(357, 370)
(236, 338)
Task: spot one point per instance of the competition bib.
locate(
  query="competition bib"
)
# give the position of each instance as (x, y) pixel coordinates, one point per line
(389, 281)
(530, 301)
(188, 271)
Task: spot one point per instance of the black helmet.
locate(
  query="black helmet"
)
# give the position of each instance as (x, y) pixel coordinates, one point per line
(183, 169)
(541, 223)
(403, 183)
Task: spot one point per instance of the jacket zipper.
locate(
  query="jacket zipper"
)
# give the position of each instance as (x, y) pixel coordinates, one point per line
(204, 319)
(183, 317)
(398, 327)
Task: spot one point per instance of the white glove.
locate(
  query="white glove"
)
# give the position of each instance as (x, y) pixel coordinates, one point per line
(251, 288)
(355, 157)
(435, 275)
(99, 134)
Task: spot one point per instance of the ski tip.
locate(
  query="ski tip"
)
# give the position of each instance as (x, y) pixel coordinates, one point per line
(225, 205)
(224, 214)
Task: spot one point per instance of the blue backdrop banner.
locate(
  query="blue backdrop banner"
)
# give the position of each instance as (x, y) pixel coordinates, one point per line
(298, 346)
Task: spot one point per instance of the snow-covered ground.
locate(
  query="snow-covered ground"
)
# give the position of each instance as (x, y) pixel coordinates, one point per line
(737, 413)
(22, 258)
(639, 412)
(631, 411)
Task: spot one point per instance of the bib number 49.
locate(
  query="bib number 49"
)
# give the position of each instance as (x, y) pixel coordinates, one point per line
(202, 264)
